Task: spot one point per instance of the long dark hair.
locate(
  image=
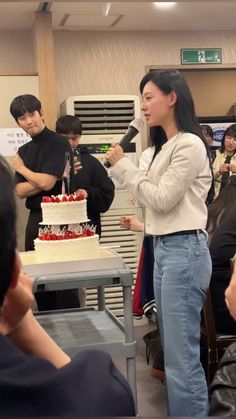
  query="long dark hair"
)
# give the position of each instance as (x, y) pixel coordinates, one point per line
(231, 132)
(224, 204)
(157, 137)
(172, 80)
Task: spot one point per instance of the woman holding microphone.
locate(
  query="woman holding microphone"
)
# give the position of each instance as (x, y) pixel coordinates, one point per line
(174, 192)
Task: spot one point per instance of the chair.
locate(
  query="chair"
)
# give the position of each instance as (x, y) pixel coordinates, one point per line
(214, 343)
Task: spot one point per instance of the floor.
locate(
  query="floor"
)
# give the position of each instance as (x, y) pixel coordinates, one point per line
(64, 330)
(151, 392)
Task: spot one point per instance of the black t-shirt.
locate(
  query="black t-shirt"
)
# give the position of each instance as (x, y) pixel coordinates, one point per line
(48, 152)
(94, 179)
(223, 241)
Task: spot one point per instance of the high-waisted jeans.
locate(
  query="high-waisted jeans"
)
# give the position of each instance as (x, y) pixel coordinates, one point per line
(182, 273)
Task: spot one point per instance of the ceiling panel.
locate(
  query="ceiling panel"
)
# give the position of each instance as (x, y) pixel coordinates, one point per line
(123, 15)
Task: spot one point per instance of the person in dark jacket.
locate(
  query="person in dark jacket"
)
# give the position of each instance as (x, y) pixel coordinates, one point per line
(92, 178)
(36, 377)
(222, 244)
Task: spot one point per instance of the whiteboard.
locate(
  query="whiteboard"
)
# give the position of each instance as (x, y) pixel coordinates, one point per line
(10, 87)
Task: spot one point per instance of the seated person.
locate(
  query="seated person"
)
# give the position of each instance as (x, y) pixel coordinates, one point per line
(36, 377)
(92, 178)
(222, 244)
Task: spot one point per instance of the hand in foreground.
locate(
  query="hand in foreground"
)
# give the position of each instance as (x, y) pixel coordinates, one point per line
(16, 304)
(224, 168)
(131, 223)
(114, 154)
(17, 163)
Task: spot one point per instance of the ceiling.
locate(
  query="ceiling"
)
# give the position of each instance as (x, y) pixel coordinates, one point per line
(121, 15)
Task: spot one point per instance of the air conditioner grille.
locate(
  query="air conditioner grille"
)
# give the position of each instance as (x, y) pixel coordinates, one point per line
(110, 116)
(127, 244)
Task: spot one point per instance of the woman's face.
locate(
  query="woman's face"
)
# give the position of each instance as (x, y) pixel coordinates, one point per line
(230, 144)
(156, 105)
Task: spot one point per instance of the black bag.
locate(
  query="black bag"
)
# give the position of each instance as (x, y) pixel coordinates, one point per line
(223, 387)
(154, 349)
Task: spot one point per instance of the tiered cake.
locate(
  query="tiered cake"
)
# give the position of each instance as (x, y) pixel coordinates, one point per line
(64, 234)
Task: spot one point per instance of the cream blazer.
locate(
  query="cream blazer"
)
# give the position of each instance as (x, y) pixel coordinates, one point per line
(175, 188)
(219, 160)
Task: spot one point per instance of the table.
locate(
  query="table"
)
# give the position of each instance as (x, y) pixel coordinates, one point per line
(100, 328)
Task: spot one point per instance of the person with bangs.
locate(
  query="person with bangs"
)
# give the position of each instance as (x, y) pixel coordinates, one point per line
(225, 162)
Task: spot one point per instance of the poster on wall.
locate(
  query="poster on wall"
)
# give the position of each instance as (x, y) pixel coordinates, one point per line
(11, 140)
(218, 126)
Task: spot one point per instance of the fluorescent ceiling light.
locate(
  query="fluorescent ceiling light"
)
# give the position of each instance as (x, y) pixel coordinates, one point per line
(106, 8)
(164, 5)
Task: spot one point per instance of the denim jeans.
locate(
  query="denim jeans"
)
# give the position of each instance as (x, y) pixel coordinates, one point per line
(182, 272)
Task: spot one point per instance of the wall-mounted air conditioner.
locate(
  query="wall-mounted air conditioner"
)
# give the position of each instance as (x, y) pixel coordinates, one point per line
(105, 119)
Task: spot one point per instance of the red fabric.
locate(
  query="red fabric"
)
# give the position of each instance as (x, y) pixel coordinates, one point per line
(137, 306)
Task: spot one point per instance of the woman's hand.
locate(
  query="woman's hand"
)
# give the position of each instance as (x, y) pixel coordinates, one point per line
(17, 303)
(115, 153)
(131, 223)
(224, 168)
(232, 168)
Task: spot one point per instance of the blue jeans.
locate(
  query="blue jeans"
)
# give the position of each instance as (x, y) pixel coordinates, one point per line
(182, 272)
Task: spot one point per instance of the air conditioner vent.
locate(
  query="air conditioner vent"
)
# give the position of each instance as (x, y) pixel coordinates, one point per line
(105, 116)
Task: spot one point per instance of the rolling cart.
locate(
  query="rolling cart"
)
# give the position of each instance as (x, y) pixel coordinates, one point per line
(76, 329)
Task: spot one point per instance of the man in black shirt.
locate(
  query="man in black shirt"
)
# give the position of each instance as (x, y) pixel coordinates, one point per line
(40, 164)
(91, 179)
(43, 166)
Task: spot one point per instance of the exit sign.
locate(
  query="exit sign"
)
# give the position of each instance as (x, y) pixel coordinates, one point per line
(201, 56)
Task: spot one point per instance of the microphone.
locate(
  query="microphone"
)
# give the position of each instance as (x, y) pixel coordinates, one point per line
(134, 127)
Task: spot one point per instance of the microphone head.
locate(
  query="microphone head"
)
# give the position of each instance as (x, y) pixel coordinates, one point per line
(137, 124)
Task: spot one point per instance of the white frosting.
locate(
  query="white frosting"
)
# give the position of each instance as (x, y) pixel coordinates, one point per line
(74, 212)
(84, 247)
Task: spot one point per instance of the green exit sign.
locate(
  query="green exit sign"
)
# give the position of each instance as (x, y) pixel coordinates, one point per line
(201, 56)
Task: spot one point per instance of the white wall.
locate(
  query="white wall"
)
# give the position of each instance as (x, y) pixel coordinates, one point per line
(100, 62)
(114, 62)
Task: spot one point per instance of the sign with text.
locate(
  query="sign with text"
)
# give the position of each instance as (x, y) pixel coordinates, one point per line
(11, 139)
(218, 131)
(201, 56)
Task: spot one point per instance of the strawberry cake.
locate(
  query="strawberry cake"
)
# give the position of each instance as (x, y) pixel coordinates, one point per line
(64, 234)
(64, 209)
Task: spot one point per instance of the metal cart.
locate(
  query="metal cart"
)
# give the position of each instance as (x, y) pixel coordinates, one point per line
(74, 329)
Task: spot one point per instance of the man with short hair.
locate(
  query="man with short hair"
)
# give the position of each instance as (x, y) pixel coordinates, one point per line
(91, 179)
(39, 164)
(36, 377)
